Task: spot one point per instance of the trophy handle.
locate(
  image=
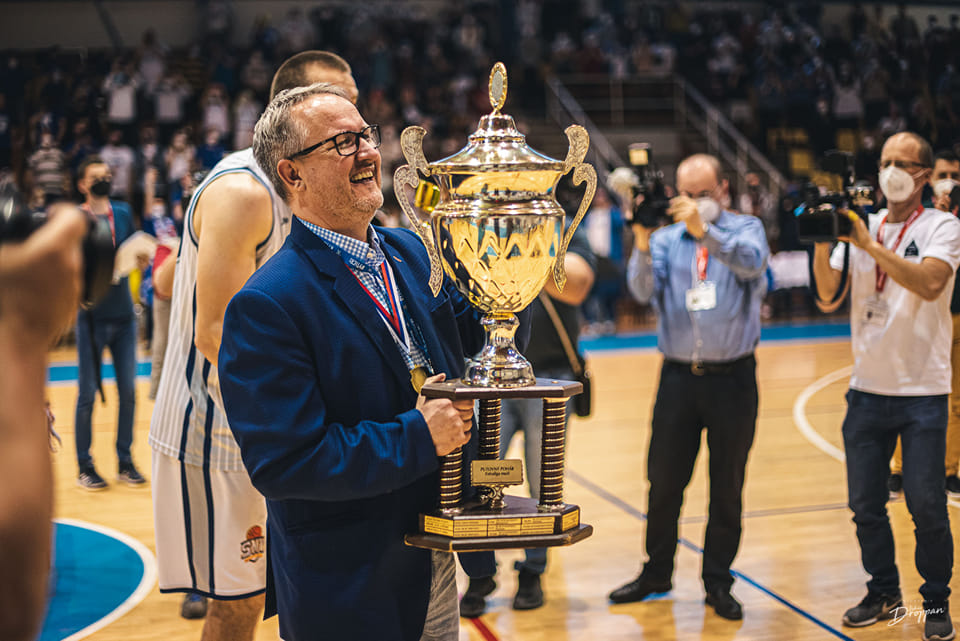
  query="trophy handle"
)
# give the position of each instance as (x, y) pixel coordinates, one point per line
(579, 143)
(411, 143)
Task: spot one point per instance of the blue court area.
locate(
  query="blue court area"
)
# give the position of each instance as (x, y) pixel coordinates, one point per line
(67, 372)
(778, 332)
(98, 575)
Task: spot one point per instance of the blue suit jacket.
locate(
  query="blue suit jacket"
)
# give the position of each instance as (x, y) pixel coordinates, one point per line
(321, 404)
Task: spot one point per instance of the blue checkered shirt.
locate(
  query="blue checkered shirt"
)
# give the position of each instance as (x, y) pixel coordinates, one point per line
(364, 260)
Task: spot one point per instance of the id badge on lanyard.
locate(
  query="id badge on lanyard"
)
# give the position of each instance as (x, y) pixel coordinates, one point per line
(876, 310)
(703, 295)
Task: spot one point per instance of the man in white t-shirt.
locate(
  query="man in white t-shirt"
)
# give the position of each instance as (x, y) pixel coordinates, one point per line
(902, 266)
(120, 158)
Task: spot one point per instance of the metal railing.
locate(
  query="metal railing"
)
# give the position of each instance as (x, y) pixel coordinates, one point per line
(564, 109)
(691, 111)
(723, 139)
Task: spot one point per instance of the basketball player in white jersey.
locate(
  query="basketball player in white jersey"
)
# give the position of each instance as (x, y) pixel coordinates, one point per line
(210, 522)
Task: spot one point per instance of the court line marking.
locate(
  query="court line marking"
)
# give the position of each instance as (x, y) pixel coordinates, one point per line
(147, 581)
(803, 509)
(484, 630)
(629, 509)
(814, 437)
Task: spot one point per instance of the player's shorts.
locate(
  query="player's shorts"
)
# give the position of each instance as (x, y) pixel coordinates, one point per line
(210, 530)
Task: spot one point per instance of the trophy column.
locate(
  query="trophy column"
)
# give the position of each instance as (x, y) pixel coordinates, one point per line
(552, 444)
(451, 481)
(495, 521)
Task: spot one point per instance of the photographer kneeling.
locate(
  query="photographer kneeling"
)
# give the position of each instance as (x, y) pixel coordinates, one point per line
(705, 276)
(901, 267)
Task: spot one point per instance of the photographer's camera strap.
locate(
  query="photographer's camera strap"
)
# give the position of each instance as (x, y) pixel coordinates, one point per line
(834, 303)
(882, 275)
(97, 354)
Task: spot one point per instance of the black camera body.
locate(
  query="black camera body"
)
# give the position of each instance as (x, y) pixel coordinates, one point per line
(17, 222)
(651, 211)
(823, 217)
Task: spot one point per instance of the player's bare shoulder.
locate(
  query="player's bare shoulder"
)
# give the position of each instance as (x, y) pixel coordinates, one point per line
(237, 200)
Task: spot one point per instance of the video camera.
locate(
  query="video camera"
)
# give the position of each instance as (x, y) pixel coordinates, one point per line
(823, 217)
(17, 222)
(645, 181)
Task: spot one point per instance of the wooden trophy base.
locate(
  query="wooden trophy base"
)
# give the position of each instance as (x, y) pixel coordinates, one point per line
(520, 524)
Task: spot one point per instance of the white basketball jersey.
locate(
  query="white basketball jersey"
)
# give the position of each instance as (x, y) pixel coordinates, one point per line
(188, 419)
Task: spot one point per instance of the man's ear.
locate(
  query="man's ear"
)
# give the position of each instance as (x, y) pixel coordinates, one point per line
(289, 174)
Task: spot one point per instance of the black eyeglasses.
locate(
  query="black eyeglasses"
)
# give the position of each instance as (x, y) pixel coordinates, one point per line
(346, 143)
(900, 164)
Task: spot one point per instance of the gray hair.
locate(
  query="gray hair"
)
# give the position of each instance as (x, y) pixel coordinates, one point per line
(278, 135)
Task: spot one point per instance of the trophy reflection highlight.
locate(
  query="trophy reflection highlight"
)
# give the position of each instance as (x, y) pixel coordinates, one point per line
(497, 231)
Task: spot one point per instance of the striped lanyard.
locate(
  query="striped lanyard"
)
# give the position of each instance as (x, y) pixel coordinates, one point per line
(703, 256)
(392, 316)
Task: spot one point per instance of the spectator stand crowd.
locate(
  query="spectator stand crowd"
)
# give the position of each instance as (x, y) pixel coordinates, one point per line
(175, 111)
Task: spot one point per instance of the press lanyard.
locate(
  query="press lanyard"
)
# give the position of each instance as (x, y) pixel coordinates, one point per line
(882, 275)
(392, 317)
(113, 231)
(702, 257)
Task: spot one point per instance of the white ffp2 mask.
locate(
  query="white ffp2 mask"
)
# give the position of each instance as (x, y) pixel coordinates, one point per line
(708, 208)
(896, 184)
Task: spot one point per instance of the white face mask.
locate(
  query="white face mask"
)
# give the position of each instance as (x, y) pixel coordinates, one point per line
(897, 184)
(708, 208)
(944, 186)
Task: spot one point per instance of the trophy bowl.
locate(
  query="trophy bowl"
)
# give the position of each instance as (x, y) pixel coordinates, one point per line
(495, 227)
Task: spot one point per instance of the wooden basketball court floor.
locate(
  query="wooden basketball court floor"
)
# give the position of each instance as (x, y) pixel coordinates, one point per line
(797, 571)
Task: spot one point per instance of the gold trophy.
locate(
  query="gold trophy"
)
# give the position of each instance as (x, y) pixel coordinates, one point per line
(496, 229)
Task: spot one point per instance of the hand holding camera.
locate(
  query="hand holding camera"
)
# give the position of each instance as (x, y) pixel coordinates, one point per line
(859, 235)
(684, 210)
(642, 190)
(19, 224)
(827, 217)
(40, 278)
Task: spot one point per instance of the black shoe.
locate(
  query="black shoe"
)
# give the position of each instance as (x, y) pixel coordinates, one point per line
(88, 479)
(873, 608)
(895, 484)
(529, 593)
(474, 603)
(194, 606)
(953, 486)
(638, 590)
(128, 474)
(724, 604)
(938, 626)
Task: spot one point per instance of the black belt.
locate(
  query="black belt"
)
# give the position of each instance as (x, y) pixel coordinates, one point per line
(700, 368)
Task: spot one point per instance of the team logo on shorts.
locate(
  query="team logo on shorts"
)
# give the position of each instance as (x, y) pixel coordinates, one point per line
(252, 548)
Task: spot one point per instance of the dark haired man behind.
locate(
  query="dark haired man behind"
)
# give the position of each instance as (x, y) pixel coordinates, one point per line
(234, 223)
(112, 324)
(945, 178)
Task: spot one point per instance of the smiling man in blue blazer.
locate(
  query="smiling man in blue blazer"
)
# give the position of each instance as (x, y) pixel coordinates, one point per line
(321, 350)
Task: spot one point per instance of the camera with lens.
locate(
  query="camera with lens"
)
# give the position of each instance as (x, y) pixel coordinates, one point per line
(822, 217)
(644, 188)
(18, 221)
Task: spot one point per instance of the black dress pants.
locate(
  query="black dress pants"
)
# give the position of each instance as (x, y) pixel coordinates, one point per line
(723, 399)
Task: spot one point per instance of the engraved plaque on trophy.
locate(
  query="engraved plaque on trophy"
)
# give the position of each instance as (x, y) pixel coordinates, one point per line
(496, 230)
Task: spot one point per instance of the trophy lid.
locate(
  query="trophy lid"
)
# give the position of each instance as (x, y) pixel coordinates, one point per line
(496, 145)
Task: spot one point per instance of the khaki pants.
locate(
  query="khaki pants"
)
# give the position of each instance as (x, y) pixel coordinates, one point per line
(952, 459)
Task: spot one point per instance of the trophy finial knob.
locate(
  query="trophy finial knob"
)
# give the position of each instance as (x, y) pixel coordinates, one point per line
(498, 86)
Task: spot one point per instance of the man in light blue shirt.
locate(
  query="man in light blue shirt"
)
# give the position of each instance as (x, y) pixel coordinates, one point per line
(705, 276)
